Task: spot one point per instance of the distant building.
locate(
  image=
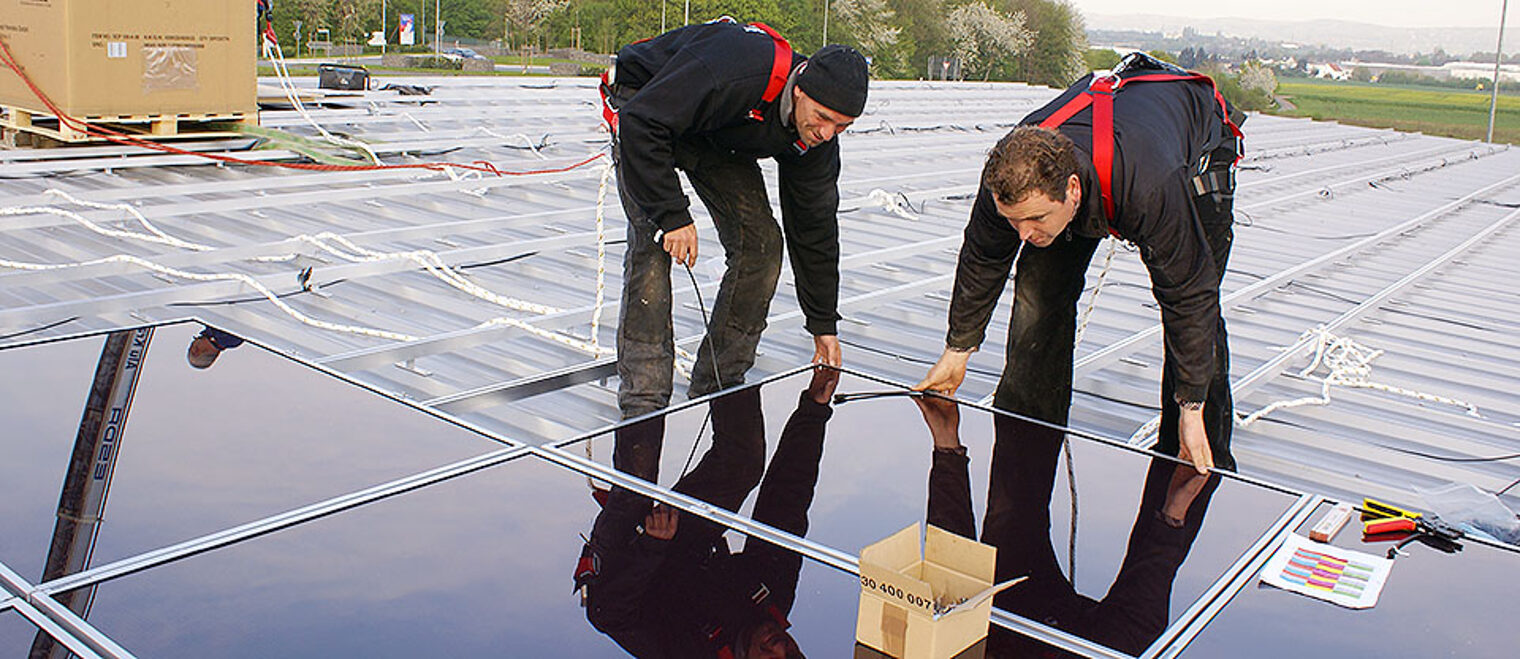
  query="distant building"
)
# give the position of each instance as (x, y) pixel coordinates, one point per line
(1482, 70)
(1329, 71)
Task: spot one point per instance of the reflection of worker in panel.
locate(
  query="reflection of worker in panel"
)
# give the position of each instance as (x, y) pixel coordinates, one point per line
(672, 588)
(208, 345)
(1135, 610)
(1146, 155)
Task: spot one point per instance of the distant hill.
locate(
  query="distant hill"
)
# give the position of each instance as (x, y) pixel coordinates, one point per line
(1336, 34)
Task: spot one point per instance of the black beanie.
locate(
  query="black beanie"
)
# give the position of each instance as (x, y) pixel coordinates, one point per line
(836, 77)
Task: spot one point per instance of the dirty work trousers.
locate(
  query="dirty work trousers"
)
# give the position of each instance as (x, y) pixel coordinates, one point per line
(733, 189)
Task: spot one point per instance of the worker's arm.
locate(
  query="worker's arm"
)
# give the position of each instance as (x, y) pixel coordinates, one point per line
(988, 247)
(665, 108)
(1186, 286)
(810, 220)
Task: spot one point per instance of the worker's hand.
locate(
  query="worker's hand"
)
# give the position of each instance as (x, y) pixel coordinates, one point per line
(826, 350)
(681, 245)
(943, 418)
(660, 523)
(1185, 485)
(825, 381)
(1193, 444)
(947, 374)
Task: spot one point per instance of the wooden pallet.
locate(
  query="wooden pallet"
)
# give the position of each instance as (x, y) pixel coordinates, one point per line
(149, 126)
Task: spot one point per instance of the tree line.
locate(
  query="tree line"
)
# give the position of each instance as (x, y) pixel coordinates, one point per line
(1036, 41)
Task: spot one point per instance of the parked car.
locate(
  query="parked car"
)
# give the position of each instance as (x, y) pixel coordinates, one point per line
(465, 53)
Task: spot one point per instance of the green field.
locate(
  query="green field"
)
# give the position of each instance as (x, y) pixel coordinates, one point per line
(1433, 111)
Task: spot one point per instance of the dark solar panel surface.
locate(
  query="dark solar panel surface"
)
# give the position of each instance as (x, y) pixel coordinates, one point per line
(481, 562)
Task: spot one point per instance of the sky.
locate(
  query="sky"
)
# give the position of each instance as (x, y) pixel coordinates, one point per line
(1393, 13)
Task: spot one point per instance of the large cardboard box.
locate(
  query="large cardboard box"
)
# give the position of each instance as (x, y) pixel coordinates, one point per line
(925, 603)
(131, 58)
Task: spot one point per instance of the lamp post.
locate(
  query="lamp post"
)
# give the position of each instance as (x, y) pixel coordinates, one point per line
(1493, 101)
(383, 37)
(826, 22)
(437, 27)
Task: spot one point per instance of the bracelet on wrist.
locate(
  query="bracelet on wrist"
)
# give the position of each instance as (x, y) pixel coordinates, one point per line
(1191, 405)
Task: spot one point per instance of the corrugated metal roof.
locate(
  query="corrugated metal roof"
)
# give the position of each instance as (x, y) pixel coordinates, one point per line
(1396, 239)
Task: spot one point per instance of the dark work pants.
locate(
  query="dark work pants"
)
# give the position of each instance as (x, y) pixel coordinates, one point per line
(1036, 380)
(733, 190)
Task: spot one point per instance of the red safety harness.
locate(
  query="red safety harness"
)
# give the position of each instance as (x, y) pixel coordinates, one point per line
(781, 68)
(1100, 95)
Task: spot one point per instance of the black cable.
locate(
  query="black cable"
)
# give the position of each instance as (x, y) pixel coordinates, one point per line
(34, 330)
(1507, 487)
(1447, 458)
(712, 353)
(509, 259)
(341, 280)
(840, 399)
(912, 359)
(1296, 234)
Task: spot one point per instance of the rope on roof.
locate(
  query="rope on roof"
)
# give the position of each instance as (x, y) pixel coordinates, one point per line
(1349, 364)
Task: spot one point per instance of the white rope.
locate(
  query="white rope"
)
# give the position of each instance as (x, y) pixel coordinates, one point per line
(1349, 364)
(1071, 471)
(1092, 302)
(154, 235)
(115, 233)
(568, 341)
(513, 137)
(469, 175)
(601, 254)
(429, 260)
(276, 57)
(423, 127)
(194, 276)
(890, 203)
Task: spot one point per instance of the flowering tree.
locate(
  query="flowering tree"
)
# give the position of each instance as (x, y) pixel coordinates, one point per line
(983, 36)
(526, 16)
(1256, 77)
(870, 23)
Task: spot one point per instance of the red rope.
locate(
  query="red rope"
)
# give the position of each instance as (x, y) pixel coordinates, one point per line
(7, 58)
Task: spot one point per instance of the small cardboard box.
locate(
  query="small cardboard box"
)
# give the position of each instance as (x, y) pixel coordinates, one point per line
(928, 602)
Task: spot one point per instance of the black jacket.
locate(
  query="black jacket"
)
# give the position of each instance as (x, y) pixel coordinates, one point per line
(1162, 130)
(697, 85)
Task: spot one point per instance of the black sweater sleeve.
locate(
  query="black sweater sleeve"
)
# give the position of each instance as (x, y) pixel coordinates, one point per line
(667, 107)
(1185, 283)
(981, 272)
(809, 216)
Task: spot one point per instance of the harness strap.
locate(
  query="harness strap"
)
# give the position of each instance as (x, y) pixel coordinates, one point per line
(609, 113)
(781, 67)
(1067, 111)
(1100, 95)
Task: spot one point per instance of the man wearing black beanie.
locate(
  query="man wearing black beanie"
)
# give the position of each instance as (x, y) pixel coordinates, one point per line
(711, 100)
